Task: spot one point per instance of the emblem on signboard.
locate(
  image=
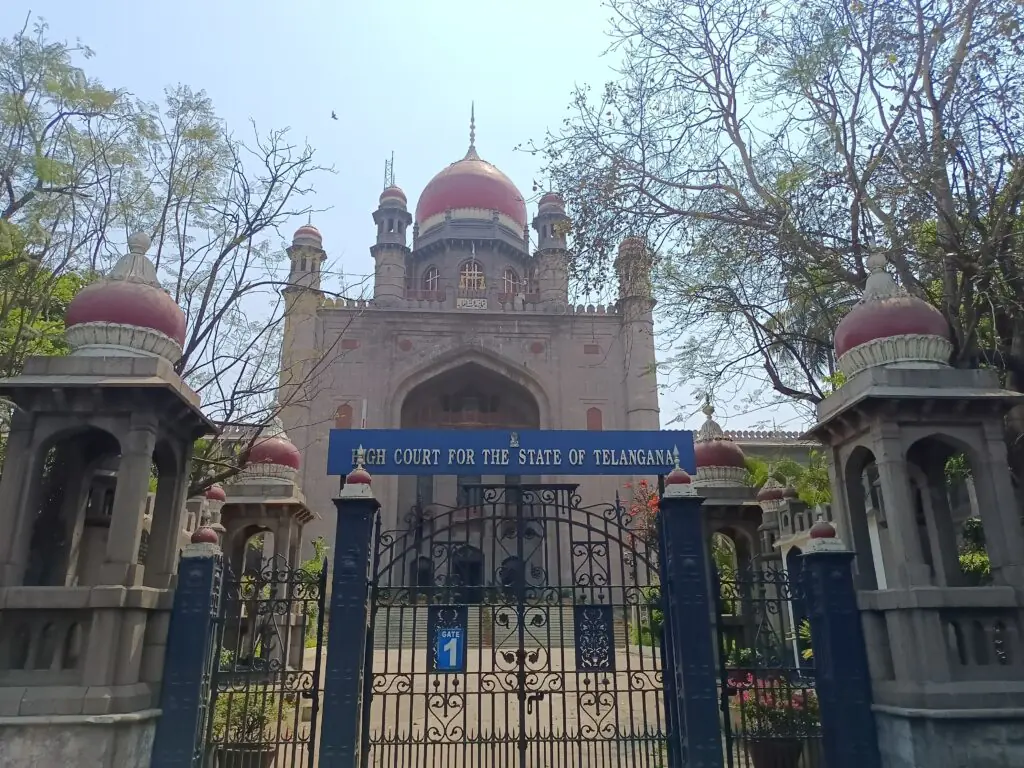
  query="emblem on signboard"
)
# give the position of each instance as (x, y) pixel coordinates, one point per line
(513, 440)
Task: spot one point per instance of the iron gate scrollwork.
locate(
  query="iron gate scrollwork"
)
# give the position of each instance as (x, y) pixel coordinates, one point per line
(561, 663)
(767, 692)
(264, 680)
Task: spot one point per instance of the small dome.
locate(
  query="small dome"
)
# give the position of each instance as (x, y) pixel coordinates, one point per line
(471, 183)
(216, 493)
(551, 202)
(358, 476)
(632, 245)
(890, 327)
(771, 491)
(277, 450)
(129, 296)
(720, 462)
(205, 535)
(822, 529)
(678, 476)
(393, 193)
(307, 234)
(888, 316)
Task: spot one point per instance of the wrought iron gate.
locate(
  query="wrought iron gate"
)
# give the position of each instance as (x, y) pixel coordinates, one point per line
(265, 680)
(767, 691)
(517, 631)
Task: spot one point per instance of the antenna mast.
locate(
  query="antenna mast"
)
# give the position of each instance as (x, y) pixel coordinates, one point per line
(389, 171)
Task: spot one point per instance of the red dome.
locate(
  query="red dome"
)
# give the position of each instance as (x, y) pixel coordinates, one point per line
(216, 493)
(205, 535)
(883, 318)
(773, 493)
(128, 303)
(275, 450)
(823, 530)
(552, 198)
(471, 183)
(678, 476)
(393, 191)
(358, 476)
(307, 230)
(719, 453)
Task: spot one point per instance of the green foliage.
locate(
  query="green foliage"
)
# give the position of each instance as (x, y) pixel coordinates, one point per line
(248, 717)
(810, 480)
(33, 301)
(312, 570)
(974, 561)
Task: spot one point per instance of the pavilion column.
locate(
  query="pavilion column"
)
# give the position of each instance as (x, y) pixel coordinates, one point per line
(133, 473)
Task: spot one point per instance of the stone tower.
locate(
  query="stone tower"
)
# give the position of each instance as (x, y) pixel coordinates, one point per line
(945, 647)
(389, 253)
(86, 597)
(552, 226)
(636, 301)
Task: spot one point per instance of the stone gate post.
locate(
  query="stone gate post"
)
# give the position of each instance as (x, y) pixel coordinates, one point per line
(190, 654)
(347, 622)
(843, 681)
(689, 614)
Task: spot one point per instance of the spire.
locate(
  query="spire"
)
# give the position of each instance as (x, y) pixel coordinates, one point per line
(471, 154)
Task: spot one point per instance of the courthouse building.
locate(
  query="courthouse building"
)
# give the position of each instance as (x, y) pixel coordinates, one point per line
(470, 327)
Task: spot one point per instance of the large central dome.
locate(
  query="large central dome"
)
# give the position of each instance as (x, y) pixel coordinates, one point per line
(471, 183)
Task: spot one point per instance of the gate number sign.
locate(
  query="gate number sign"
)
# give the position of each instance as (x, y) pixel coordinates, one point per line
(450, 653)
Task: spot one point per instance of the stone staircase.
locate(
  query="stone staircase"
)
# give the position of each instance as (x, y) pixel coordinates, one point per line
(405, 628)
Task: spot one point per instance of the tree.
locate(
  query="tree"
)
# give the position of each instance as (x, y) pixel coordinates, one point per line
(82, 166)
(766, 148)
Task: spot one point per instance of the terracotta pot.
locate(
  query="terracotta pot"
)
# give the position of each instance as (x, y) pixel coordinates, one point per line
(775, 753)
(247, 756)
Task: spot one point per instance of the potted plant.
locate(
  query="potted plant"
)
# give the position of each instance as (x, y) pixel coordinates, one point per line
(775, 720)
(245, 725)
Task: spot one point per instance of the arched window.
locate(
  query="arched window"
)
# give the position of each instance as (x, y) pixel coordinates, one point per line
(343, 417)
(471, 276)
(432, 279)
(511, 281)
(595, 421)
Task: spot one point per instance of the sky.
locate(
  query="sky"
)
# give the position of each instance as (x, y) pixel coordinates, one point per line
(400, 75)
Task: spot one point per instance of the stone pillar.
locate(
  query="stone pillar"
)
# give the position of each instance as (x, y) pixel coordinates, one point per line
(689, 609)
(190, 653)
(165, 535)
(133, 472)
(904, 539)
(843, 681)
(20, 471)
(346, 644)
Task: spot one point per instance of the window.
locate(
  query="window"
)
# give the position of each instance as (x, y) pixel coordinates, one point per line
(432, 279)
(595, 421)
(471, 276)
(511, 280)
(343, 417)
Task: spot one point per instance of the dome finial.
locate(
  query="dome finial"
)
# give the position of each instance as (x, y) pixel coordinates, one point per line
(879, 283)
(471, 153)
(708, 409)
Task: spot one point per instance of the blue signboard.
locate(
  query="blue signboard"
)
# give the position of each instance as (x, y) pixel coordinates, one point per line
(507, 452)
(450, 653)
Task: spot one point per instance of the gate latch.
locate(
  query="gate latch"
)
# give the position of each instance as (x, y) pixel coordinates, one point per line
(532, 697)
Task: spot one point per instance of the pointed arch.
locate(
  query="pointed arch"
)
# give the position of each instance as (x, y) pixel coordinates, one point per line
(460, 356)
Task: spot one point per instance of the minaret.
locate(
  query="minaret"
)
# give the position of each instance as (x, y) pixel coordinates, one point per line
(307, 256)
(636, 303)
(552, 226)
(389, 253)
(302, 298)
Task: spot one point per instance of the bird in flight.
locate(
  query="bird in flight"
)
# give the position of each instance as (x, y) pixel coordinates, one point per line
(334, 115)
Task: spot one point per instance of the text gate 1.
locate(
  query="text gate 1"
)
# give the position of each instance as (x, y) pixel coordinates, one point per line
(517, 631)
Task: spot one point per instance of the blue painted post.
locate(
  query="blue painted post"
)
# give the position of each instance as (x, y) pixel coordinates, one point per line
(843, 681)
(346, 644)
(689, 610)
(188, 660)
